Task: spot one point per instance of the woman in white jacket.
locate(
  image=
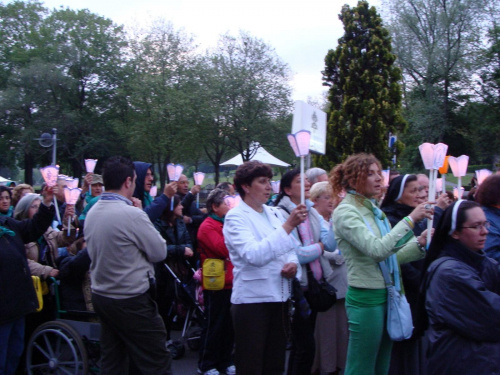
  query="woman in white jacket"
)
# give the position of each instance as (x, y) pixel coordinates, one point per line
(263, 254)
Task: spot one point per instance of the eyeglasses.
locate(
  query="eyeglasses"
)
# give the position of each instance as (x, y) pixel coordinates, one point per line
(486, 225)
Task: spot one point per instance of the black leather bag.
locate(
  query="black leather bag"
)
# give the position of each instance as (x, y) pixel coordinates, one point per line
(319, 294)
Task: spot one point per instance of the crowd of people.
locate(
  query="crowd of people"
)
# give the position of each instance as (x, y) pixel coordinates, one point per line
(114, 253)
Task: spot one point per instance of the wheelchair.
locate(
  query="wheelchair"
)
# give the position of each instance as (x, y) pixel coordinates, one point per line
(68, 345)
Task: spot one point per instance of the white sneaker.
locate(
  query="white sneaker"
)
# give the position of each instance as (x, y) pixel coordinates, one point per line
(231, 370)
(213, 371)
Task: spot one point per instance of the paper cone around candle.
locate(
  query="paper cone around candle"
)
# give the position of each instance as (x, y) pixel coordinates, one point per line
(50, 174)
(72, 182)
(459, 165)
(90, 165)
(444, 168)
(198, 178)
(153, 191)
(482, 175)
(439, 185)
(300, 142)
(386, 175)
(276, 186)
(232, 201)
(71, 195)
(174, 171)
(433, 155)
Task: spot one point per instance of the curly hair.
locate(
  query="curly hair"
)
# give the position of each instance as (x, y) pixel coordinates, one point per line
(352, 174)
(18, 190)
(488, 192)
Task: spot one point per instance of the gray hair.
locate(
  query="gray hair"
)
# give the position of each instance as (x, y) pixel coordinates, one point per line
(312, 174)
(23, 206)
(216, 197)
(320, 188)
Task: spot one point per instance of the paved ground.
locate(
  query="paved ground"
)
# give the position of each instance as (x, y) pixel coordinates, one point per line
(188, 364)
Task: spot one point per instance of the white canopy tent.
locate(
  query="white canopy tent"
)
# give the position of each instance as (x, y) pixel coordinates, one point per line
(5, 181)
(260, 155)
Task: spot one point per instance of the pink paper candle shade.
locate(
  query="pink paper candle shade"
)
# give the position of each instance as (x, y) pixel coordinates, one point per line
(72, 183)
(50, 174)
(71, 195)
(482, 175)
(154, 191)
(90, 165)
(300, 142)
(433, 155)
(439, 185)
(232, 201)
(459, 165)
(174, 171)
(276, 186)
(386, 174)
(198, 178)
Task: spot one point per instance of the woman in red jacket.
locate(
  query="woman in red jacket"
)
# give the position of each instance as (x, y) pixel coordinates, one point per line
(218, 336)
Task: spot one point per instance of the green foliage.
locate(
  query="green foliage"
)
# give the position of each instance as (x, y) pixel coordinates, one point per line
(252, 91)
(440, 49)
(63, 68)
(364, 93)
(150, 95)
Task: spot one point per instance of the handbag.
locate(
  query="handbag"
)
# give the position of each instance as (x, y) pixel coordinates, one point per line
(214, 275)
(319, 294)
(399, 320)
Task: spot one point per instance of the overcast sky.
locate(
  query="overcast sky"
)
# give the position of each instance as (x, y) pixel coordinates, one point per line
(301, 32)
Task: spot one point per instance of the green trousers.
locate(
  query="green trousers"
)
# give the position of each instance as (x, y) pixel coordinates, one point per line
(369, 349)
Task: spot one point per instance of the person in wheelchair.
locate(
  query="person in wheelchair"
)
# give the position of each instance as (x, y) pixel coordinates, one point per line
(74, 279)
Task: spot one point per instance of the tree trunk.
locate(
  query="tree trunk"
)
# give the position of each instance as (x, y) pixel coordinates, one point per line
(28, 168)
(217, 173)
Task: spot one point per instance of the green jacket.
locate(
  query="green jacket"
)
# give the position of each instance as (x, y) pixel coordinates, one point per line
(363, 250)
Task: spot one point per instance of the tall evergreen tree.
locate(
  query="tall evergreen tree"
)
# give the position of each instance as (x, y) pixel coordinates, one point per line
(364, 94)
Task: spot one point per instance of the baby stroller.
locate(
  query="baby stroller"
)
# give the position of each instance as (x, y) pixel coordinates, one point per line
(182, 306)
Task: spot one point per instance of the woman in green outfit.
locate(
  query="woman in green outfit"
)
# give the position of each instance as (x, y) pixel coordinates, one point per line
(365, 238)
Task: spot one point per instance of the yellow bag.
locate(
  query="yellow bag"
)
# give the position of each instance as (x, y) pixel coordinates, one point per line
(214, 274)
(39, 292)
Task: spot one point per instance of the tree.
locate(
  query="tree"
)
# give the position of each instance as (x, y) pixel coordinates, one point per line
(158, 102)
(252, 91)
(364, 94)
(439, 47)
(89, 52)
(58, 70)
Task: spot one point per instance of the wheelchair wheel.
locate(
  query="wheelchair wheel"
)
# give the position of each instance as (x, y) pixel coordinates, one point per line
(56, 348)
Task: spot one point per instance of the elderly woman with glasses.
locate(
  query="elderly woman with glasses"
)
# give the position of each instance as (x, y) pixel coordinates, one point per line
(460, 296)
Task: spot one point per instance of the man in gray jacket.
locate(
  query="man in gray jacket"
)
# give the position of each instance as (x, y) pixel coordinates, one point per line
(123, 245)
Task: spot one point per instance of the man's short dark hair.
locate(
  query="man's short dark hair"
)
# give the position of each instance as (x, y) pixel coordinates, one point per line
(116, 170)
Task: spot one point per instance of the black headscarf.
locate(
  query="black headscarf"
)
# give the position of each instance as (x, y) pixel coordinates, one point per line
(395, 187)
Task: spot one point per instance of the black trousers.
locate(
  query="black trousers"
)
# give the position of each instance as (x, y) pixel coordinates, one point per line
(132, 329)
(303, 345)
(260, 337)
(217, 340)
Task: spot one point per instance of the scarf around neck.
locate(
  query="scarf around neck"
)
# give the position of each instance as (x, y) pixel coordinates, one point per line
(9, 212)
(384, 227)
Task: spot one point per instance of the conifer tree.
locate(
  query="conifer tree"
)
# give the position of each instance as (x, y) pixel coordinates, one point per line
(364, 94)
